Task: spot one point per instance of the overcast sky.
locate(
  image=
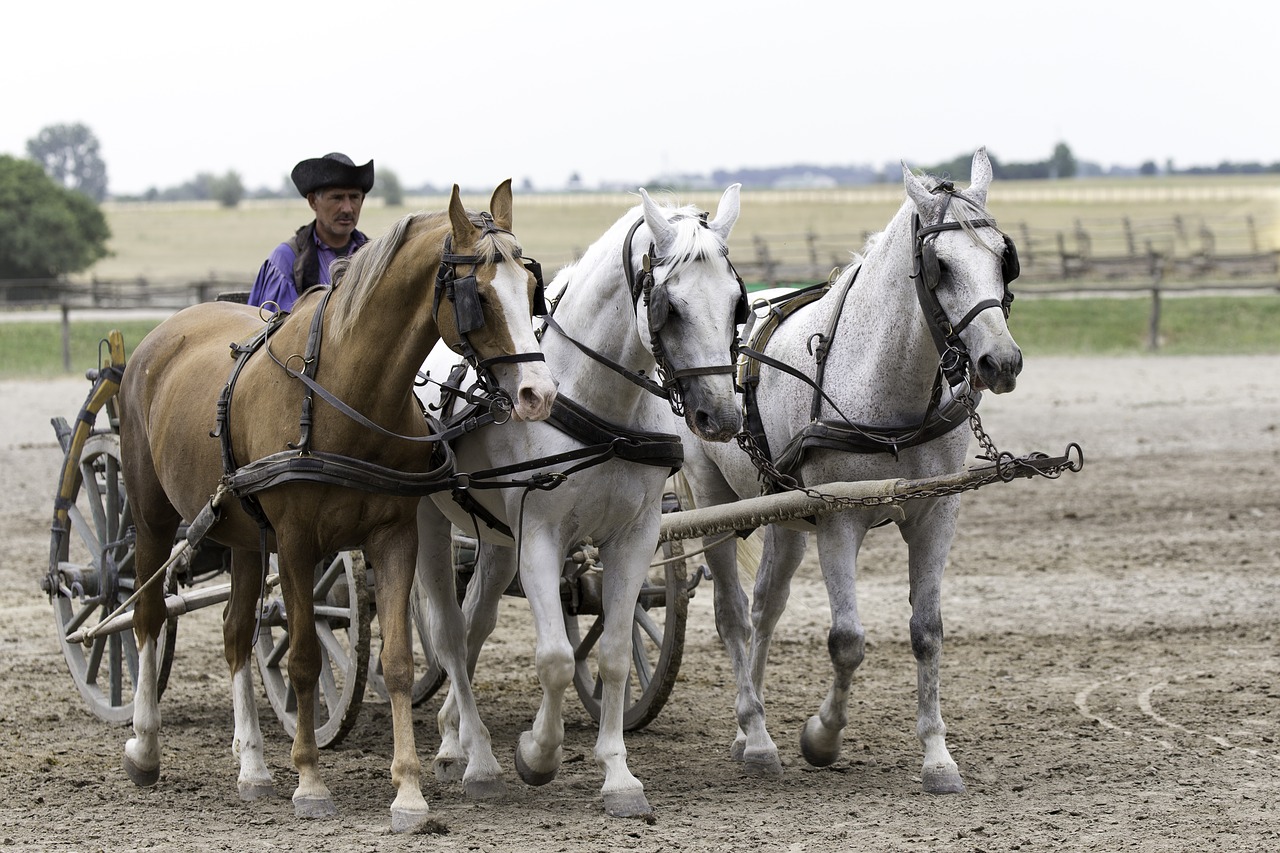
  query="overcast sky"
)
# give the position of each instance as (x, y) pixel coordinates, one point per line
(476, 91)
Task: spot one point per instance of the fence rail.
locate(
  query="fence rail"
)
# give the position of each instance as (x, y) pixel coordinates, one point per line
(1173, 252)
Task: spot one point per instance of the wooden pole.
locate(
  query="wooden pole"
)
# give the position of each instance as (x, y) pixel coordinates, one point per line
(66, 336)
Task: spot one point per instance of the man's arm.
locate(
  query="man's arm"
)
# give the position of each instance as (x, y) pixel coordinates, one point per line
(275, 280)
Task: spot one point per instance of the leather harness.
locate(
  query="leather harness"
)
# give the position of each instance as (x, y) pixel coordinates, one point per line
(845, 434)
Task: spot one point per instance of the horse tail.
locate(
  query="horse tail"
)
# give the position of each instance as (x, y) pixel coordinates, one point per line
(750, 552)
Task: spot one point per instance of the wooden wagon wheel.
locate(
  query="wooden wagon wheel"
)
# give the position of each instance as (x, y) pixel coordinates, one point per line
(657, 638)
(93, 564)
(342, 618)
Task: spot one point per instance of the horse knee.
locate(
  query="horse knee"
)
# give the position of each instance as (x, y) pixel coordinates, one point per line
(847, 647)
(926, 637)
(555, 667)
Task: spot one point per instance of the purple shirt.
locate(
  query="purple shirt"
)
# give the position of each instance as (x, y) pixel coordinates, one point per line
(275, 280)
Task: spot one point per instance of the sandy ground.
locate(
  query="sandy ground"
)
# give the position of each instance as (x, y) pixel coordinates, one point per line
(1110, 676)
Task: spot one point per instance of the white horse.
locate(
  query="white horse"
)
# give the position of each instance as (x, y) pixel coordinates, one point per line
(655, 296)
(934, 282)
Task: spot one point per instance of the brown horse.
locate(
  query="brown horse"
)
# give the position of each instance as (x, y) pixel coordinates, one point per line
(384, 314)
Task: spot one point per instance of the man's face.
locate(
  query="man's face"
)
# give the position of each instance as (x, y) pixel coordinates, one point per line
(337, 213)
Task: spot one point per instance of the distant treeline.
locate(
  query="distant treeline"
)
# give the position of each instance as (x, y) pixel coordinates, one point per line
(1061, 164)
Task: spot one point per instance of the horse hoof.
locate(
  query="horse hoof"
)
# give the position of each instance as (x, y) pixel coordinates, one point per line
(486, 789)
(942, 780)
(738, 751)
(448, 770)
(627, 804)
(313, 808)
(818, 750)
(762, 766)
(250, 791)
(140, 777)
(530, 776)
(407, 820)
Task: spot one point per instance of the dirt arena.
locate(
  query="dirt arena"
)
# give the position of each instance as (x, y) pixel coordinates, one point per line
(1110, 676)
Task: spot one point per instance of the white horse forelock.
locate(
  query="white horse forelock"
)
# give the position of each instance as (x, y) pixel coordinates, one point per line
(692, 241)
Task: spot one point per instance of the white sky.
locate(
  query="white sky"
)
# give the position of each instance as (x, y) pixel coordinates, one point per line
(476, 91)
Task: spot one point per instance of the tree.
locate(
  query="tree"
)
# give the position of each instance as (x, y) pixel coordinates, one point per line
(68, 153)
(48, 230)
(388, 187)
(1063, 163)
(228, 189)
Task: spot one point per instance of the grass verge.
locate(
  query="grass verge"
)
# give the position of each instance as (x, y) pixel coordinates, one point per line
(1189, 325)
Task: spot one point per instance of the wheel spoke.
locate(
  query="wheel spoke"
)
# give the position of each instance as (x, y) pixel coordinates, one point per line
(333, 648)
(639, 656)
(589, 639)
(650, 626)
(278, 651)
(328, 693)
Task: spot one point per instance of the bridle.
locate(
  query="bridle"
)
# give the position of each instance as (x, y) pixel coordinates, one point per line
(645, 288)
(463, 293)
(927, 274)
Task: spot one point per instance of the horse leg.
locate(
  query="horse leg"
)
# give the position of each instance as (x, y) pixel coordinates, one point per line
(153, 545)
(751, 744)
(783, 551)
(239, 619)
(482, 778)
(928, 542)
(495, 569)
(311, 799)
(627, 563)
(393, 554)
(839, 538)
(539, 750)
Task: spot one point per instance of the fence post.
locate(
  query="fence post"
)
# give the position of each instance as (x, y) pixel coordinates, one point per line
(66, 336)
(1153, 325)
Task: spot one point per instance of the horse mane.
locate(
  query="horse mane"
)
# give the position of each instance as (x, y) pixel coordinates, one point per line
(359, 273)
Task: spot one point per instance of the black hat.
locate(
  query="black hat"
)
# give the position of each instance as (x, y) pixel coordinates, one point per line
(332, 170)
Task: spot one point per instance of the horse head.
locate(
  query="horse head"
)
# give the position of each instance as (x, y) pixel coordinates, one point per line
(964, 265)
(690, 301)
(486, 293)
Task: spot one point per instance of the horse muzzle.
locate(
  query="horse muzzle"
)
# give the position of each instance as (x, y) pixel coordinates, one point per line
(998, 371)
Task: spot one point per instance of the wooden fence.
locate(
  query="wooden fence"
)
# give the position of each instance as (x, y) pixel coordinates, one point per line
(1097, 255)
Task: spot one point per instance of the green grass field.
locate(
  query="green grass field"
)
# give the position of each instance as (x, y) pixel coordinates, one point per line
(1218, 325)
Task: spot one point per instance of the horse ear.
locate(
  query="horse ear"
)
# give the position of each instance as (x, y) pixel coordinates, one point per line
(500, 205)
(727, 212)
(462, 227)
(980, 176)
(663, 232)
(916, 190)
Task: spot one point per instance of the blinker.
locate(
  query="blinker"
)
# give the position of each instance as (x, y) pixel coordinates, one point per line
(467, 311)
